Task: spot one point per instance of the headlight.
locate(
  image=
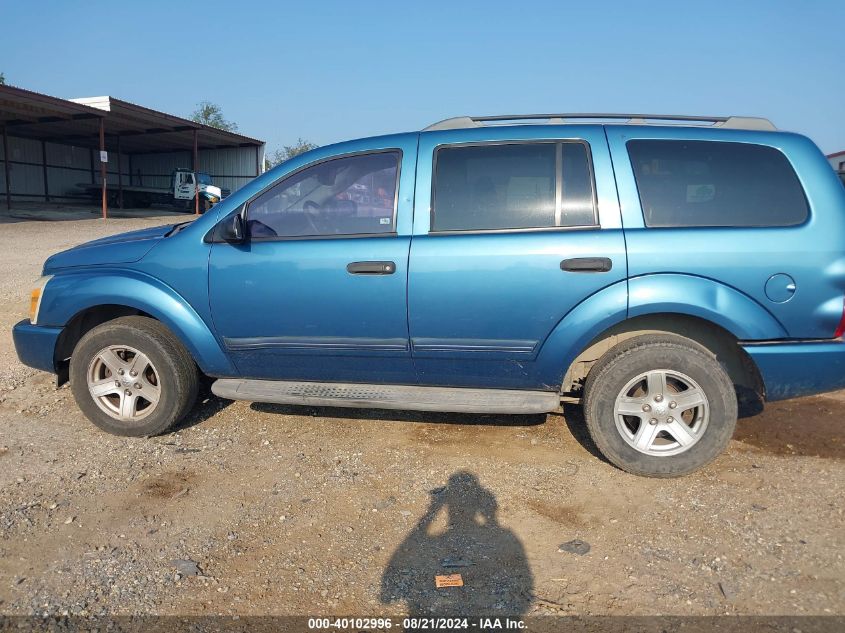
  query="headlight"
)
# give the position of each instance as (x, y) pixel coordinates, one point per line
(35, 298)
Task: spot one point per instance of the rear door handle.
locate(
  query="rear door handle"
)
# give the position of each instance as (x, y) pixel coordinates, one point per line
(371, 268)
(587, 265)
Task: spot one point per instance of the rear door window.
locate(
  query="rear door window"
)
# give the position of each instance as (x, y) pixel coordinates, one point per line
(712, 183)
(512, 186)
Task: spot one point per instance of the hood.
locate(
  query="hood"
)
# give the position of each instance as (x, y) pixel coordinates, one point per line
(115, 249)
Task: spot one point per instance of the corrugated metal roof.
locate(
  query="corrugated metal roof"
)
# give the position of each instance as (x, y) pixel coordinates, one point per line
(19, 107)
(29, 114)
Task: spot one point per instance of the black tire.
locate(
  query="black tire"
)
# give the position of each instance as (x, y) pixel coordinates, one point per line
(631, 358)
(204, 205)
(178, 382)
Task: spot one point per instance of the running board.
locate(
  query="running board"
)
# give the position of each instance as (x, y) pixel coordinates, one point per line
(406, 397)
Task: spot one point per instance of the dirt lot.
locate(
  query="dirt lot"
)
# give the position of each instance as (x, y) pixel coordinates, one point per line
(290, 510)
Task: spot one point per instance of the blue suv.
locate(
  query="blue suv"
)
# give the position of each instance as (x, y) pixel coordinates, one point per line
(660, 270)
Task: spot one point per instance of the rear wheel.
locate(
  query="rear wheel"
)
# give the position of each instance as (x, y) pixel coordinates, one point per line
(660, 406)
(132, 377)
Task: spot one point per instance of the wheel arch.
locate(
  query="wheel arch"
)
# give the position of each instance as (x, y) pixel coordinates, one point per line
(720, 342)
(80, 302)
(710, 300)
(701, 309)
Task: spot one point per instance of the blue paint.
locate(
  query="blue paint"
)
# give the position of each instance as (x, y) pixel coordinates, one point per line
(813, 254)
(790, 370)
(711, 300)
(36, 344)
(115, 249)
(75, 291)
(487, 309)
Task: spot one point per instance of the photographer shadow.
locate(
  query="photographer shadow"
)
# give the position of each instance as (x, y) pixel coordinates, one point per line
(497, 580)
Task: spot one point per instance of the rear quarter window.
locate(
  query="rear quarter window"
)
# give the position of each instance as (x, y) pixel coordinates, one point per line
(713, 183)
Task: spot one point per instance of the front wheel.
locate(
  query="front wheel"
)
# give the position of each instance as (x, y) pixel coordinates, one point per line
(132, 377)
(659, 406)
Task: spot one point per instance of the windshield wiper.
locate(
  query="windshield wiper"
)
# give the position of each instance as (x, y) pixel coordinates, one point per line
(176, 228)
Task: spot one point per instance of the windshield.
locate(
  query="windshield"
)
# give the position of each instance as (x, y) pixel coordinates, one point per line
(203, 178)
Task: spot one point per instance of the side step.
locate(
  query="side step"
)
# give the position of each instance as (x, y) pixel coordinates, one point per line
(337, 394)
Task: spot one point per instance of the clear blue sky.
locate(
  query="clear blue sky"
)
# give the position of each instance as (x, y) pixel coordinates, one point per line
(327, 71)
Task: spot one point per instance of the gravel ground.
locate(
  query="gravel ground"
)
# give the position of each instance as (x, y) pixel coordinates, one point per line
(261, 509)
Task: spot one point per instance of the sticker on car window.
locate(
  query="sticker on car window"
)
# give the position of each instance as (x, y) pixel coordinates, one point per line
(700, 193)
(384, 220)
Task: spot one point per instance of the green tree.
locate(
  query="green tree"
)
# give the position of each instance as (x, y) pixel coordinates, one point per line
(209, 113)
(289, 151)
(2, 79)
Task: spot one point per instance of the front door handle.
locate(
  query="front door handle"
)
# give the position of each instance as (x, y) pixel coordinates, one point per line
(371, 268)
(587, 265)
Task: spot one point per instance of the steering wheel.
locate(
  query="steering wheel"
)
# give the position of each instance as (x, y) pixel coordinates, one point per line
(312, 210)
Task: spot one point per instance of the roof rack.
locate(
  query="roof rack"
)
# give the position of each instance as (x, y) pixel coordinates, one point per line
(729, 122)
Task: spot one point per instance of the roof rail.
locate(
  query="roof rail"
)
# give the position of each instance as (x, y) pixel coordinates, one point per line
(730, 122)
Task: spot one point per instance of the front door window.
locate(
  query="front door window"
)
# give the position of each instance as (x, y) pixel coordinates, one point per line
(353, 195)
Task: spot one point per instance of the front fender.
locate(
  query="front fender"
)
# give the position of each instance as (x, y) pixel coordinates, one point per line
(71, 293)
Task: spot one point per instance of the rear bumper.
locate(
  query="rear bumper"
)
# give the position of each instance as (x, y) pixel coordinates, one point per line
(790, 370)
(35, 345)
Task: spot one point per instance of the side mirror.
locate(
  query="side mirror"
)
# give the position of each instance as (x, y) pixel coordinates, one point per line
(232, 229)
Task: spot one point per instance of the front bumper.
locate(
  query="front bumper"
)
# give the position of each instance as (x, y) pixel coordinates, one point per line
(790, 370)
(36, 345)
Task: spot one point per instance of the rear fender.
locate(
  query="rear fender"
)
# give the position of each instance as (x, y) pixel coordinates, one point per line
(707, 299)
(694, 296)
(574, 332)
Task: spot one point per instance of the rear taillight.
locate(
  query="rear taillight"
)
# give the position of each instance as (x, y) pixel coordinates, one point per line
(840, 329)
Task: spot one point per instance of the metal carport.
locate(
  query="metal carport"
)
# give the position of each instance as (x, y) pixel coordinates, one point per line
(124, 130)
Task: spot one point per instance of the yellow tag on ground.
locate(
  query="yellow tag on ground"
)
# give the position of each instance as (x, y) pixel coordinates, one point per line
(452, 580)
